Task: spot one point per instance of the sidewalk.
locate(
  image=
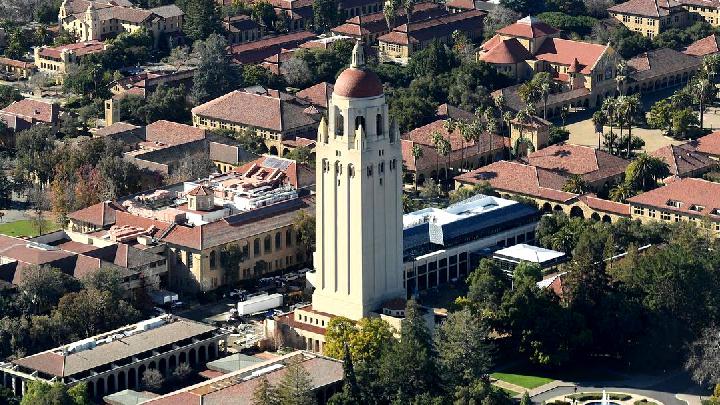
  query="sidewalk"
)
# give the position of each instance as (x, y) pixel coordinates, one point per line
(689, 399)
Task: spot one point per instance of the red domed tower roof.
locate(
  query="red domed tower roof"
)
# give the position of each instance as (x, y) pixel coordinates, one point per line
(356, 81)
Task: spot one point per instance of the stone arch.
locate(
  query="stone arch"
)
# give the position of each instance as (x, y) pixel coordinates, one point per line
(202, 354)
(100, 387)
(595, 216)
(433, 174)
(360, 122)
(111, 388)
(213, 259)
(576, 211)
(132, 378)
(379, 124)
(141, 371)
(557, 208)
(212, 351)
(121, 381)
(91, 389)
(606, 218)
(152, 365)
(285, 151)
(421, 179)
(182, 358)
(172, 362)
(273, 150)
(547, 207)
(191, 356)
(162, 366)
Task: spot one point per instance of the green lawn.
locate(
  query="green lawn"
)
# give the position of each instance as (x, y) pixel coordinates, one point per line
(25, 227)
(525, 381)
(510, 392)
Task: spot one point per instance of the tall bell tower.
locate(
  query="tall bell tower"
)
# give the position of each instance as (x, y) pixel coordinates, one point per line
(358, 259)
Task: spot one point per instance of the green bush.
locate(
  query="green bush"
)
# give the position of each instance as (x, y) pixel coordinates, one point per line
(596, 396)
(558, 402)
(644, 402)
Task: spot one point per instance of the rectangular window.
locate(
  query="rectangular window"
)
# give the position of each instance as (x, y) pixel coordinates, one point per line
(665, 216)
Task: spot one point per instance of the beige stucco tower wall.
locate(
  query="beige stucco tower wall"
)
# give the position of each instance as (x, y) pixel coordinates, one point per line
(358, 259)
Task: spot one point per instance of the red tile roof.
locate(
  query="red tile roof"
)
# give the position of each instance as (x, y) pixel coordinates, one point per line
(427, 30)
(318, 94)
(645, 8)
(172, 133)
(461, 4)
(528, 27)
(565, 52)
(599, 204)
(519, 178)
(78, 49)
(587, 161)
(16, 63)
(683, 160)
(101, 214)
(708, 144)
(505, 51)
(683, 194)
(280, 111)
(34, 110)
(256, 51)
(705, 46)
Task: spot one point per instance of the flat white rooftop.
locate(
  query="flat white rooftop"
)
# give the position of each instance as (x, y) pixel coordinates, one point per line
(528, 253)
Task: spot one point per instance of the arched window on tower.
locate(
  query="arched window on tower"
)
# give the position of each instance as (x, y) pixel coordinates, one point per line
(379, 125)
(339, 122)
(359, 122)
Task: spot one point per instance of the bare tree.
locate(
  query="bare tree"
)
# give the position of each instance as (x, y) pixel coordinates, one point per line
(704, 357)
(598, 8)
(296, 72)
(497, 18)
(152, 379)
(182, 371)
(40, 203)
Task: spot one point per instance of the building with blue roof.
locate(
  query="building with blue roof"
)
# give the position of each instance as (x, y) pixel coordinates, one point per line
(437, 243)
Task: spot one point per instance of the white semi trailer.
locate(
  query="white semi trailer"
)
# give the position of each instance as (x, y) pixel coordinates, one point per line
(259, 303)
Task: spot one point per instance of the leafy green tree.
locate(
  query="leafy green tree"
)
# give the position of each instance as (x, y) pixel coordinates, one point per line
(486, 287)
(304, 228)
(88, 312)
(303, 155)
(264, 13)
(7, 396)
(152, 379)
(682, 122)
(576, 184)
(645, 171)
(437, 58)
(339, 332)
(167, 103)
(527, 271)
(524, 7)
(106, 279)
(464, 350)
(42, 287)
(256, 75)
(249, 140)
(326, 15)
(214, 74)
(704, 357)
(201, 19)
(34, 148)
(9, 94)
(295, 387)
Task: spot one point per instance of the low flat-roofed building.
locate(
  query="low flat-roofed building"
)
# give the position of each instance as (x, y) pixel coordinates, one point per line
(326, 377)
(688, 199)
(437, 242)
(116, 360)
(508, 258)
(233, 362)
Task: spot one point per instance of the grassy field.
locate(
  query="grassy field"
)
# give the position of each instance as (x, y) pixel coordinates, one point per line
(525, 381)
(25, 227)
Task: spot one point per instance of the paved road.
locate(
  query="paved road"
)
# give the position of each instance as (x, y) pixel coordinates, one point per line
(662, 389)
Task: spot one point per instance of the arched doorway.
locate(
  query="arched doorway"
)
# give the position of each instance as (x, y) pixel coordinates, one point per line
(606, 218)
(202, 354)
(273, 150)
(121, 382)
(557, 208)
(212, 351)
(182, 358)
(111, 384)
(576, 212)
(595, 216)
(172, 362)
(162, 367)
(100, 387)
(132, 378)
(191, 356)
(141, 372)
(547, 207)
(90, 389)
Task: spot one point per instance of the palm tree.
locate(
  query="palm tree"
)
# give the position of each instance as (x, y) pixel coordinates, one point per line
(599, 120)
(443, 148)
(436, 138)
(529, 94)
(621, 192)
(632, 104)
(620, 77)
(450, 125)
(645, 171)
(608, 108)
(499, 102)
(544, 86)
(491, 127)
(575, 184)
(417, 153)
(702, 89)
(523, 117)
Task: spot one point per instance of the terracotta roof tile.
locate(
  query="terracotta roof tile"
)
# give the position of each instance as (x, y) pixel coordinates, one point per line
(172, 133)
(599, 204)
(645, 8)
(256, 51)
(101, 214)
(589, 162)
(506, 52)
(708, 144)
(519, 178)
(429, 29)
(683, 160)
(78, 49)
(660, 62)
(565, 52)
(705, 46)
(528, 27)
(318, 94)
(281, 112)
(686, 193)
(16, 63)
(34, 110)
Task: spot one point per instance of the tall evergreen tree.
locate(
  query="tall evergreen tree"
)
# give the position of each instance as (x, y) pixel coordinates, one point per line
(295, 387)
(264, 393)
(214, 75)
(201, 19)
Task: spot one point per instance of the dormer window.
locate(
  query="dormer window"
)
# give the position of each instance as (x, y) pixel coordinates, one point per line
(715, 211)
(696, 208)
(674, 203)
